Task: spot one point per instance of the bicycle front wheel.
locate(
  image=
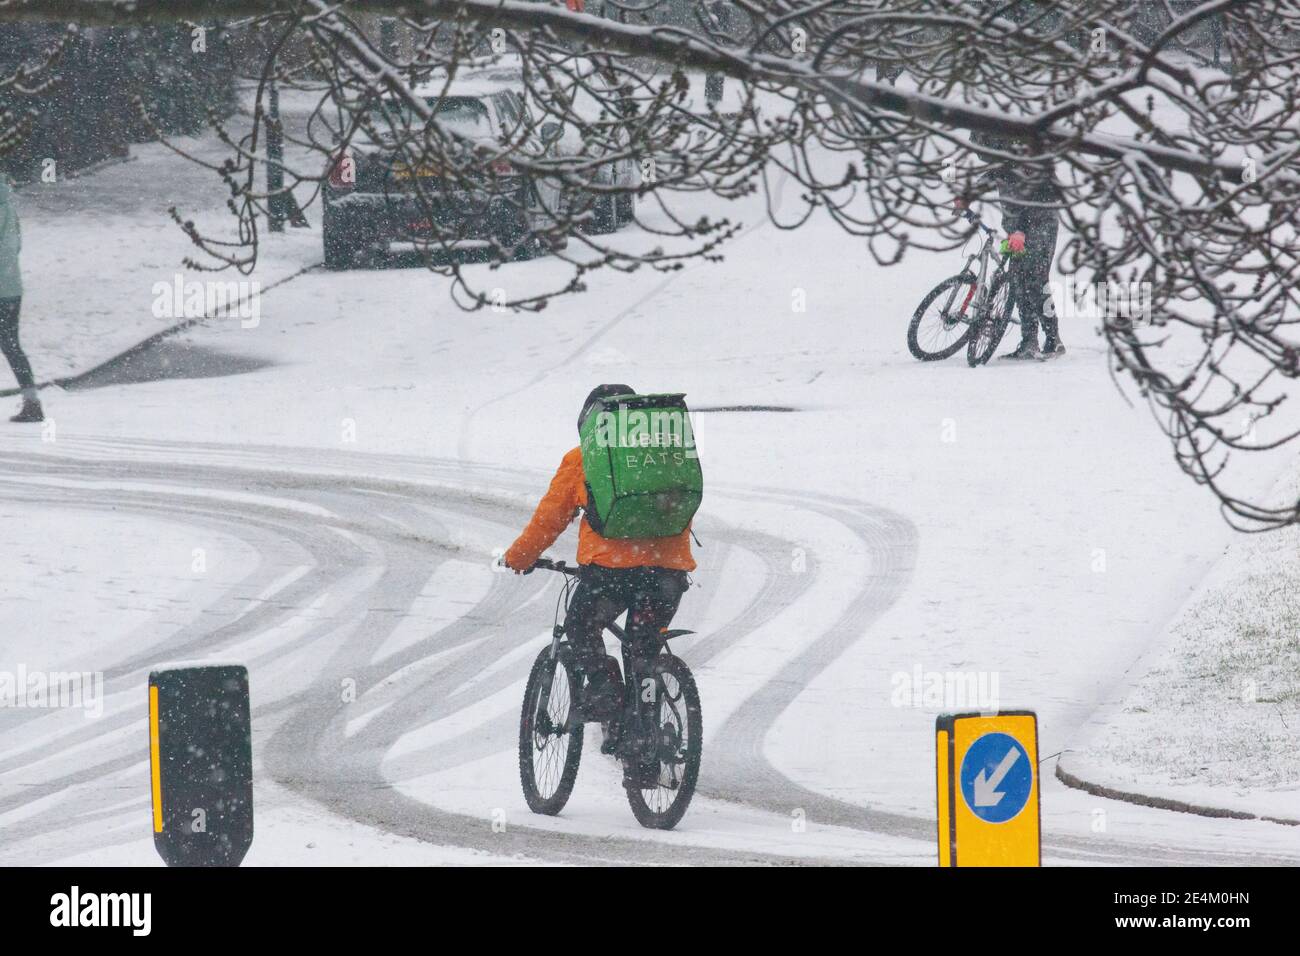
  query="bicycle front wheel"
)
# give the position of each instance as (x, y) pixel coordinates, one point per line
(991, 324)
(550, 732)
(674, 740)
(942, 322)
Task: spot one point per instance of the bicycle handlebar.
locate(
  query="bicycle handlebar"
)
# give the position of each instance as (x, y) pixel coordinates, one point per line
(548, 565)
(976, 220)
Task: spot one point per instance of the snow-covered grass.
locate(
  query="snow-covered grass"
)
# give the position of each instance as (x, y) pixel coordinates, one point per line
(1213, 716)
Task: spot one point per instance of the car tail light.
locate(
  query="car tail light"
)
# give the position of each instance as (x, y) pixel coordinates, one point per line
(343, 174)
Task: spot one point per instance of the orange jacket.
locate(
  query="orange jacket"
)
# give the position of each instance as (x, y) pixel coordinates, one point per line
(568, 492)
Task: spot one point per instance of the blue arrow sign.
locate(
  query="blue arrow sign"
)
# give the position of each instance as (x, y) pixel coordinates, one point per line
(996, 777)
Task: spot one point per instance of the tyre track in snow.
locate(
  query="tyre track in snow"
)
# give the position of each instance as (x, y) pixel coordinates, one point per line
(364, 753)
(327, 765)
(278, 536)
(747, 775)
(393, 532)
(346, 780)
(104, 748)
(331, 558)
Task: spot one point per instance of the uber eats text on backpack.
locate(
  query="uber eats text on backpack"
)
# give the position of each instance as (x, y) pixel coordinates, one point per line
(641, 466)
(629, 426)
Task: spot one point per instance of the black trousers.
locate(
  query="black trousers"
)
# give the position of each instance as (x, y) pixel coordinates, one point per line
(650, 595)
(1032, 271)
(9, 309)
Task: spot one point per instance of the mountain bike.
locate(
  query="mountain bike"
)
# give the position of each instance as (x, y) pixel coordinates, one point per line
(974, 307)
(657, 735)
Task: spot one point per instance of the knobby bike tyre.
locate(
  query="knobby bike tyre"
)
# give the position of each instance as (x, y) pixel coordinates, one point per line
(678, 727)
(550, 741)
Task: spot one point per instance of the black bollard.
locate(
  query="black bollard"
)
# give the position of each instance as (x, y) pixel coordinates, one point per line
(201, 764)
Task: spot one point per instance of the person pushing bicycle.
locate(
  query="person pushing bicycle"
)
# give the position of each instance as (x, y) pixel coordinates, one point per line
(1028, 198)
(644, 576)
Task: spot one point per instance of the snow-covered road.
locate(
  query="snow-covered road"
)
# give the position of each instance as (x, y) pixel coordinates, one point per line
(341, 558)
(402, 724)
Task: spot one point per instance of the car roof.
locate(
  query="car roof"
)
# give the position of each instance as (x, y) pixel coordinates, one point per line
(476, 79)
(484, 77)
(477, 87)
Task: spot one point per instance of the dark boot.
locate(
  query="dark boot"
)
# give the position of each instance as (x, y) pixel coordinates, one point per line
(1026, 351)
(31, 410)
(1052, 346)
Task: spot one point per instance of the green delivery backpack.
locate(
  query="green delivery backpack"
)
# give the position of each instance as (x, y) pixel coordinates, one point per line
(643, 473)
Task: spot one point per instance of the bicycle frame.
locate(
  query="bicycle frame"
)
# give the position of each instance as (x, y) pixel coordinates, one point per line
(665, 635)
(629, 679)
(613, 628)
(983, 280)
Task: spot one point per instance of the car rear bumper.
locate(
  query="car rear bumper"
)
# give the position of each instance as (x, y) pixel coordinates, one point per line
(399, 219)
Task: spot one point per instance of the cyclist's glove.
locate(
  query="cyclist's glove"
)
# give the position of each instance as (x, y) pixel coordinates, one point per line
(1013, 245)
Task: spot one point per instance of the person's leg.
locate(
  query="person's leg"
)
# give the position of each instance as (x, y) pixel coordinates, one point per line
(1013, 221)
(602, 594)
(13, 352)
(1043, 243)
(658, 593)
(1025, 308)
(17, 359)
(1031, 273)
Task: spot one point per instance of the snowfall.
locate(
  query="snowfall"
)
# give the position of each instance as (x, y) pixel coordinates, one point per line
(319, 493)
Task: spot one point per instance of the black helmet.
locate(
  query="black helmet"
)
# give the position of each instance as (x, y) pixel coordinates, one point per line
(601, 392)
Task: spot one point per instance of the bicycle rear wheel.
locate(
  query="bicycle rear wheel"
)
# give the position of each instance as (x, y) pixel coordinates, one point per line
(550, 732)
(991, 324)
(941, 324)
(676, 744)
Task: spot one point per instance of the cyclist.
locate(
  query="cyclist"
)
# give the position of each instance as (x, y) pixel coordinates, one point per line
(1028, 198)
(645, 577)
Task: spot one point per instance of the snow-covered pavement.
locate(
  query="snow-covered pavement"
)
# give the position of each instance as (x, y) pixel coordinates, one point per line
(352, 462)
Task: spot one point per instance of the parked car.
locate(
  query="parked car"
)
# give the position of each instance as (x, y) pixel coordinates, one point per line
(608, 211)
(375, 203)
